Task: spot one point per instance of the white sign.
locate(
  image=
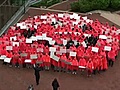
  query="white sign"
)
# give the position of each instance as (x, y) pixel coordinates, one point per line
(72, 53)
(60, 15)
(107, 48)
(102, 37)
(15, 43)
(13, 38)
(64, 42)
(82, 67)
(84, 44)
(2, 57)
(33, 38)
(9, 48)
(28, 40)
(95, 49)
(7, 60)
(43, 17)
(33, 56)
(52, 49)
(39, 37)
(56, 58)
(63, 50)
(27, 61)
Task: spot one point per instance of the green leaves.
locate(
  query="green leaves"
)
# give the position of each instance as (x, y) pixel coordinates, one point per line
(89, 5)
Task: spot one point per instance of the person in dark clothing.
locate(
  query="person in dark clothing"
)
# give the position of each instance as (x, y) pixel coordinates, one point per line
(37, 75)
(55, 84)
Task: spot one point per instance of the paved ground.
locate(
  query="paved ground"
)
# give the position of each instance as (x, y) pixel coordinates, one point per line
(19, 79)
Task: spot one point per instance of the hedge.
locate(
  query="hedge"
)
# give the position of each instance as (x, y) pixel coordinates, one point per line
(89, 5)
(115, 4)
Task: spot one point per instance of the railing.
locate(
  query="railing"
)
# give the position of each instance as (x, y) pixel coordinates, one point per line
(15, 17)
(34, 1)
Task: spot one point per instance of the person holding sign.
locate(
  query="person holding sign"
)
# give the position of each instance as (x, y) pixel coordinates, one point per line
(89, 67)
(82, 62)
(111, 57)
(37, 69)
(47, 61)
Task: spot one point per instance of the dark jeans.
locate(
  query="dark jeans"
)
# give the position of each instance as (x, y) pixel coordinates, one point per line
(110, 62)
(55, 88)
(37, 79)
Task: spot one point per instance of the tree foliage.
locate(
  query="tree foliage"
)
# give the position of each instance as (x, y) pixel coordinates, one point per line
(89, 5)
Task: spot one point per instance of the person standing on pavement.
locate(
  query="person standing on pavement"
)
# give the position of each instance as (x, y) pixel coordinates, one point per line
(55, 84)
(37, 69)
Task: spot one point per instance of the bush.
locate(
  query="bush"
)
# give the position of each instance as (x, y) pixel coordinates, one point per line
(81, 6)
(115, 4)
(89, 5)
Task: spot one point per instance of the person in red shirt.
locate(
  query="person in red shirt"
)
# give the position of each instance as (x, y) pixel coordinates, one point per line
(82, 62)
(89, 67)
(74, 66)
(63, 60)
(111, 57)
(104, 66)
(47, 61)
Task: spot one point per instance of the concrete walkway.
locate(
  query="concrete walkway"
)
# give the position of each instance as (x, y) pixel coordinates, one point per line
(113, 17)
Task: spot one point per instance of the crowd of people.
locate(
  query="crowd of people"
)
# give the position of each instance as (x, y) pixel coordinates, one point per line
(64, 42)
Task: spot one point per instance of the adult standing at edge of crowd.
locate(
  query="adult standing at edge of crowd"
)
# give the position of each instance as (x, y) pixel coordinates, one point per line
(55, 84)
(37, 69)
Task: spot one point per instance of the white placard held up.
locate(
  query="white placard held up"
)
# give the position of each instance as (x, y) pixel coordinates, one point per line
(2, 57)
(13, 38)
(84, 44)
(44, 35)
(72, 53)
(82, 67)
(15, 43)
(102, 37)
(51, 54)
(52, 49)
(33, 56)
(60, 15)
(56, 58)
(28, 40)
(33, 38)
(52, 42)
(63, 50)
(23, 54)
(95, 49)
(85, 18)
(107, 48)
(53, 20)
(9, 48)
(39, 37)
(64, 42)
(43, 17)
(27, 61)
(7, 60)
